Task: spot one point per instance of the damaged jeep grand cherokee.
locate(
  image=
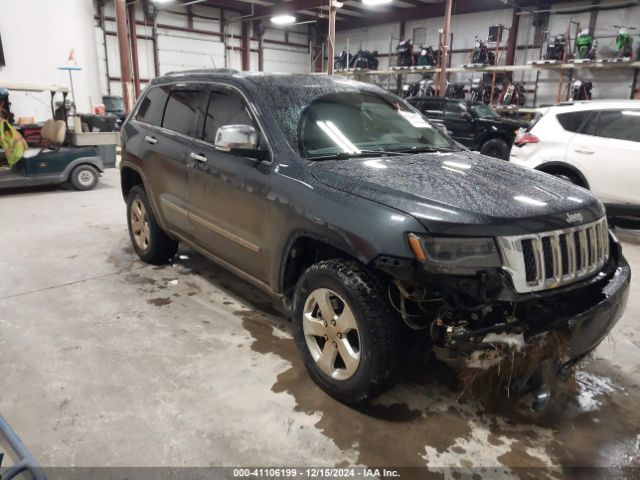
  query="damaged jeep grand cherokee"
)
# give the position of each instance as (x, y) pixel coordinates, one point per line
(366, 222)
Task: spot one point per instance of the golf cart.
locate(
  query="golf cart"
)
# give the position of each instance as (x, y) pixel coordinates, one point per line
(59, 156)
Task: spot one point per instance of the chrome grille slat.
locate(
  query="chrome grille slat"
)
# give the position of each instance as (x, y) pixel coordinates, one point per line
(586, 247)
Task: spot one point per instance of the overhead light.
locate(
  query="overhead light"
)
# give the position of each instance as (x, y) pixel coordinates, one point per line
(161, 1)
(376, 2)
(283, 19)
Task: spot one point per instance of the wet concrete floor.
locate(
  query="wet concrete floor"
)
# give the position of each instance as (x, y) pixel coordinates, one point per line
(107, 361)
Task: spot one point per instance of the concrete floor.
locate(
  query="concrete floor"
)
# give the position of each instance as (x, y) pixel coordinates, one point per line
(106, 361)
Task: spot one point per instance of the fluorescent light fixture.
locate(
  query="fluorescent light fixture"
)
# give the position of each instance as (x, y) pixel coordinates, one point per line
(161, 1)
(283, 19)
(376, 2)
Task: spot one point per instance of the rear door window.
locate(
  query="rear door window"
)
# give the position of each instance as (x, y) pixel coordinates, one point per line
(152, 106)
(616, 124)
(181, 110)
(572, 121)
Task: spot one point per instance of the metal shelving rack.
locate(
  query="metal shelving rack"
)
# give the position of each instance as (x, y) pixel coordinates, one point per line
(558, 67)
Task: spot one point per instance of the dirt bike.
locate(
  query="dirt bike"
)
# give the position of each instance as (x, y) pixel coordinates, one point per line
(586, 45)
(555, 47)
(624, 42)
(481, 54)
(427, 57)
(581, 90)
(404, 50)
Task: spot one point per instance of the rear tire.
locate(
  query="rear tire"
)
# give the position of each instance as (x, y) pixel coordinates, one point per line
(357, 324)
(149, 241)
(496, 148)
(84, 177)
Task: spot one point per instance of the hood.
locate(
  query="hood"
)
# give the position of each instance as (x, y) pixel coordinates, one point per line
(464, 193)
(504, 123)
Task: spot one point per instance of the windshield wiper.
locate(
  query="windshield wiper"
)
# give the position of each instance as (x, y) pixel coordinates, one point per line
(361, 154)
(425, 149)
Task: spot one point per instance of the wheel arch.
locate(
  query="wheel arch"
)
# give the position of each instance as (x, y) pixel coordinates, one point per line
(129, 178)
(558, 167)
(302, 250)
(94, 162)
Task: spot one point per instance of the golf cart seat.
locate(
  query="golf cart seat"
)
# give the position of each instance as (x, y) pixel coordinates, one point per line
(53, 132)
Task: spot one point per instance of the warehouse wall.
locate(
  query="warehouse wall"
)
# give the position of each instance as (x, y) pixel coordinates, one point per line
(37, 36)
(183, 50)
(607, 84)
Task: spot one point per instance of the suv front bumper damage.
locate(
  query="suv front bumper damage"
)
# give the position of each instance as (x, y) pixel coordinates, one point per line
(526, 341)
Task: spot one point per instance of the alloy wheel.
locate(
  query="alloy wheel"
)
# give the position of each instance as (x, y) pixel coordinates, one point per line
(140, 225)
(331, 333)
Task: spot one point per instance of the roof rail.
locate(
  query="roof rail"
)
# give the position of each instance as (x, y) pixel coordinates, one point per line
(204, 70)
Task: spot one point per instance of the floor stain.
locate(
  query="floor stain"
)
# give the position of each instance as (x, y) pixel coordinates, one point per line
(564, 435)
(159, 302)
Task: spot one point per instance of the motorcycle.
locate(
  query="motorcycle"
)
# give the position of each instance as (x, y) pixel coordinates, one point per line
(624, 42)
(366, 60)
(555, 47)
(481, 54)
(480, 92)
(455, 90)
(426, 88)
(586, 45)
(410, 90)
(340, 62)
(404, 50)
(427, 57)
(581, 90)
(513, 94)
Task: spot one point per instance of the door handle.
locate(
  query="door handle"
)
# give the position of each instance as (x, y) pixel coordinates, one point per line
(151, 140)
(584, 151)
(198, 157)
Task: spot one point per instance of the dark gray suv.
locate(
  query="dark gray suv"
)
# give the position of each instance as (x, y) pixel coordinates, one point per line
(372, 228)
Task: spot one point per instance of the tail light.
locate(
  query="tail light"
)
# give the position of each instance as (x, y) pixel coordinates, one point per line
(523, 138)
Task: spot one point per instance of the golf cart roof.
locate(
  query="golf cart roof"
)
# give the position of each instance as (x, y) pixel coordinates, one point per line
(33, 87)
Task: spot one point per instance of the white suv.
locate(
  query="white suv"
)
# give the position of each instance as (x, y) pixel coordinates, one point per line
(593, 144)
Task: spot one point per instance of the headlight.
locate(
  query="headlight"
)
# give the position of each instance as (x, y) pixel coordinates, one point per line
(455, 254)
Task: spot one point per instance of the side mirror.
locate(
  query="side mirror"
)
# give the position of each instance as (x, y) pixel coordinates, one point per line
(467, 116)
(241, 140)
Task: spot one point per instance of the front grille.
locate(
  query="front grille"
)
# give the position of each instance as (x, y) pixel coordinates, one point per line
(552, 259)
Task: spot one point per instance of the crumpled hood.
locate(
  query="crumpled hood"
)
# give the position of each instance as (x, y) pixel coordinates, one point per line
(463, 193)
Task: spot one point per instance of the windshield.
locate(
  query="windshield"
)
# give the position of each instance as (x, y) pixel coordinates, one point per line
(481, 110)
(357, 123)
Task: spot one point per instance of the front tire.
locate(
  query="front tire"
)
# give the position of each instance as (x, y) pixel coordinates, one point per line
(149, 241)
(496, 148)
(345, 331)
(84, 177)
